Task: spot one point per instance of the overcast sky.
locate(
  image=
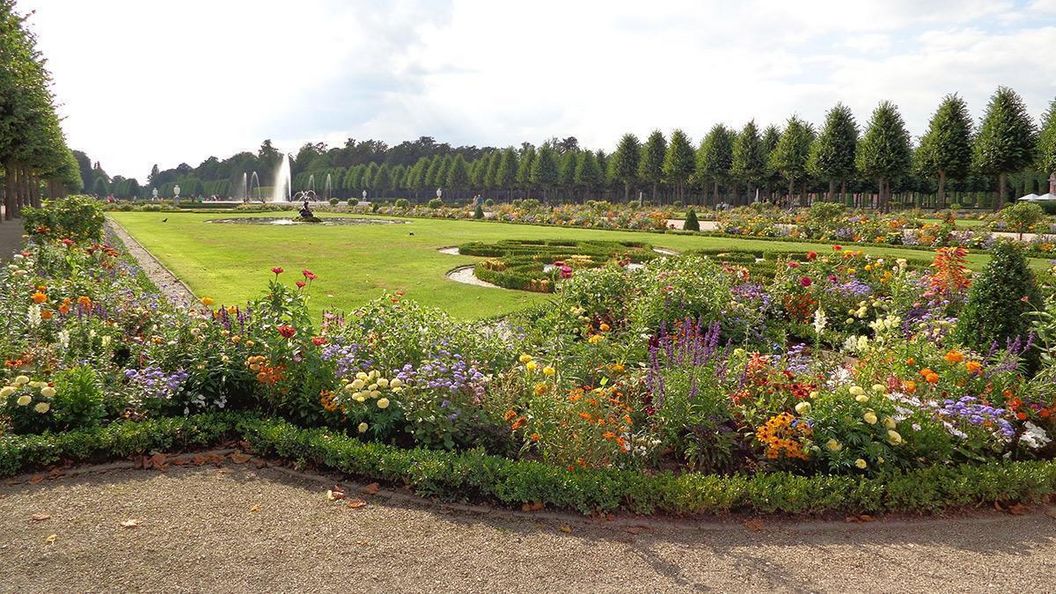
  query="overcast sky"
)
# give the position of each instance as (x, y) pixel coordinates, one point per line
(144, 82)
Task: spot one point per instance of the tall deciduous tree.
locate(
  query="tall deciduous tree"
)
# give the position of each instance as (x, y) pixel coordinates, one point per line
(793, 152)
(624, 162)
(715, 157)
(457, 174)
(678, 163)
(1047, 142)
(946, 148)
(1006, 140)
(566, 171)
(544, 169)
(748, 162)
(651, 165)
(506, 175)
(832, 154)
(884, 152)
(588, 173)
(524, 169)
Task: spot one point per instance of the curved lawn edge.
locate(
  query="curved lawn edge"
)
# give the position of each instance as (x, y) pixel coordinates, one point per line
(478, 476)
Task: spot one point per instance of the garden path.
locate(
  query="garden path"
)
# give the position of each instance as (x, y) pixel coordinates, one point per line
(170, 286)
(10, 236)
(241, 528)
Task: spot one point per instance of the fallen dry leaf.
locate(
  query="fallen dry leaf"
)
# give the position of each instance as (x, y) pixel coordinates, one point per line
(36, 478)
(240, 458)
(356, 503)
(371, 489)
(754, 525)
(335, 494)
(1017, 509)
(256, 508)
(51, 539)
(130, 524)
(158, 461)
(40, 517)
(565, 528)
(532, 507)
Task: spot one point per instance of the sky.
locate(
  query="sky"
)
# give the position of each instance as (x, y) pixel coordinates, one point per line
(167, 81)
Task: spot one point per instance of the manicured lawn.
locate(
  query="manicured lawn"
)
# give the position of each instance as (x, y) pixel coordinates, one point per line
(232, 263)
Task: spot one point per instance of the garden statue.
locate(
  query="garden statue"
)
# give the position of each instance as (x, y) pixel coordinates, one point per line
(154, 194)
(306, 213)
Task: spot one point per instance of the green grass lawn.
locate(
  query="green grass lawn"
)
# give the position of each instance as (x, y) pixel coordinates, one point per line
(356, 263)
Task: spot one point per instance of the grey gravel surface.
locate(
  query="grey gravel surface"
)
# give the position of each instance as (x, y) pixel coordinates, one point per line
(240, 528)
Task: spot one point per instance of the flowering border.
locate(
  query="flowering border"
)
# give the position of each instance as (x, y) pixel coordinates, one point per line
(477, 476)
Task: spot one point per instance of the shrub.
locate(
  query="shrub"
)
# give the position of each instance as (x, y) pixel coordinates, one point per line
(692, 224)
(489, 203)
(999, 300)
(1022, 217)
(334, 202)
(78, 401)
(351, 202)
(478, 212)
(435, 203)
(673, 289)
(79, 218)
(402, 203)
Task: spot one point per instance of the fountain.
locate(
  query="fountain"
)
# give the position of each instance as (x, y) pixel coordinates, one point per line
(328, 189)
(243, 190)
(283, 184)
(311, 183)
(254, 178)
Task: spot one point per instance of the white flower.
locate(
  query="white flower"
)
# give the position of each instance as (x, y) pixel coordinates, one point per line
(7, 391)
(33, 314)
(820, 321)
(47, 392)
(42, 407)
(24, 400)
(1034, 437)
(21, 380)
(362, 428)
(383, 403)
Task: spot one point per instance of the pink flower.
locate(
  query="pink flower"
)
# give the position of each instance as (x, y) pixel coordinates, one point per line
(806, 281)
(812, 256)
(277, 270)
(308, 274)
(287, 331)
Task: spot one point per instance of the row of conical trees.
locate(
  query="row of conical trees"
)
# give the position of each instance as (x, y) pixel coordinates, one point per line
(33, 152)
(784, 163)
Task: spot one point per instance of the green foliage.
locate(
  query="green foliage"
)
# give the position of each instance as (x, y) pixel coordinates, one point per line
(715, 155)
(999, 300)
(457, 174)
(691, 224)
(833, 151)
(792, 153)
(544, 171)
(435, 203)
(1046, 152)
(402, 203)
(947, 145)
(478, 212)
(78, 401)
(1022, 216)
(651, 163)
(1006, 139)
(678, 162)
(748, 160)
(625, 161)
(75, 217)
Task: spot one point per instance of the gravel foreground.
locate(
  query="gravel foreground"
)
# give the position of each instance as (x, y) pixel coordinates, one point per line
(240, 528)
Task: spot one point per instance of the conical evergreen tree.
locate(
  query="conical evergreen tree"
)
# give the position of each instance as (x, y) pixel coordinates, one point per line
(651, 165)
(946, 148)
(679, 163)
(625, 163)
(884, 153)
(832, 154)
(1006, 140)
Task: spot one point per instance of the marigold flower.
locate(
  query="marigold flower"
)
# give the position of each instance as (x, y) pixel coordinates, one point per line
(84, 301)
(540, 389)
(520, 422)
(318, 340)
(954, 357)
(604, 327)
(531, 366)
(39, 297)
(524, 358)
(802, 408)
(42, 407)
(869, 417)
(383, 403)
(973, 367)
(833, 446)
(535, 437)
(549, 371)
(909, 386)
(860, 463)
(46, 314)
(47, 392)
(595, 338)
(362, 428)
(24, 400)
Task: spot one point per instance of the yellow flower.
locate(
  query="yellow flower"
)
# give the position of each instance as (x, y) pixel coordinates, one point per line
(803, 408)
(21, 380)
(362, 428)
(207, 301)
(540, 389)
(869, 417)
(7, 391)
(24, 399)
(894, 438)
(383, 403)
(862, 398)
(595, 339)
(395, 383)
(531, 366)
(857, 391)
(47, 392)
(879, 388)
(860, 463)
(889, 423)
(525, 358)
(549, 371)
(42, 407)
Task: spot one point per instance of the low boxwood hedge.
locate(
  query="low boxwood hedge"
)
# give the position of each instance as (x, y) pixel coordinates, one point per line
(477, 476)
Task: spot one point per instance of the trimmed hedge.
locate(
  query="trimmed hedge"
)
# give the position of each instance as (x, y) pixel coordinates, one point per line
(477, 476)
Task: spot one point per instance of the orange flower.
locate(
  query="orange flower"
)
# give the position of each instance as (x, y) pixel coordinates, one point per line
(585, 416)
(510, 414)
(46, 314)
(84, 301)
(973, 367)
(39, 297)
(911, 361)
(932, 378)
(520, 422)
(909, 386)
(954, 357)
(534, 437)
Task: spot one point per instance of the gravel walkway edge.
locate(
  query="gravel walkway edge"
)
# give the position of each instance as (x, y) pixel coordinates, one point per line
(170, 285)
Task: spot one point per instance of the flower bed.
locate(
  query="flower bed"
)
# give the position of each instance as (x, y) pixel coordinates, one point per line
(830, 380)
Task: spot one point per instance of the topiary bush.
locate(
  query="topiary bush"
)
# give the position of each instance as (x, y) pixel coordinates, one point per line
(79, 218)
(999, 300)
(692, 224)
(435, 203)
(402, 203)
(478, 213)
(1022, 217)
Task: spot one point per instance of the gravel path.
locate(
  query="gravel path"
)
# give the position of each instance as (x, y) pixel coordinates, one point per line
(238, 528)
(170, 286)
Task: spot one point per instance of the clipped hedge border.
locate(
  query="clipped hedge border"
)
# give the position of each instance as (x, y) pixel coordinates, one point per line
(477, 476)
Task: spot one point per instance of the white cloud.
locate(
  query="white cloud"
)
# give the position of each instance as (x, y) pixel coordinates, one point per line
(153, 82)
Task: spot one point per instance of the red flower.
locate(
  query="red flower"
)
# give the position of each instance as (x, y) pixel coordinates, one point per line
(837, 247)
(287, 331)
(806, 281)
(318, 340)
(812, 256)
(308, 274)
(277, 270)
(793, 264)
(300, 284)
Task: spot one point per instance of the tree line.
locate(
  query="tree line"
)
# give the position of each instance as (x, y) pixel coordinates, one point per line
(34, 158)
(1005, 153)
